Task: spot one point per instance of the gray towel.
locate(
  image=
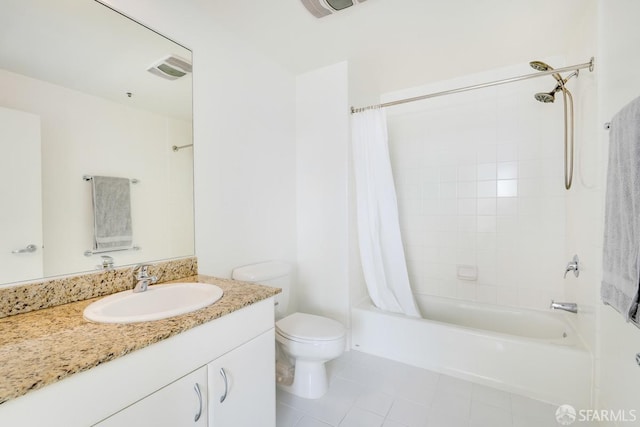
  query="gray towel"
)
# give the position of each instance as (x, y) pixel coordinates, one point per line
(112, 213)
(621, 251)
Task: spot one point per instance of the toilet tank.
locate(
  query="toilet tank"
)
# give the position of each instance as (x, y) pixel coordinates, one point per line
(276, 274)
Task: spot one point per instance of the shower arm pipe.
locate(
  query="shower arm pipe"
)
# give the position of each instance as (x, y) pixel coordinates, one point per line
(576, 67)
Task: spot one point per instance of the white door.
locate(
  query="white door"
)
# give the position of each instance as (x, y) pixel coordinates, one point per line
(20, 196)
(242, 390)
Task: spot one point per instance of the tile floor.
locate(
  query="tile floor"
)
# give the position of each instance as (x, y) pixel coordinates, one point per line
(368, 391)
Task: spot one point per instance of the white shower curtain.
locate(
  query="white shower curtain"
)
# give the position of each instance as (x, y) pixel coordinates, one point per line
(381, 250)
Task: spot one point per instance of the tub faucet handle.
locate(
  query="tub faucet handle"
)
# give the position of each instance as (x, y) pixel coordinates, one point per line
(573, 265)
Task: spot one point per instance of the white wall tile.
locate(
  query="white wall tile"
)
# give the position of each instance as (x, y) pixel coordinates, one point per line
(467, 189)
(466, 206)
(507, 187)
(487, 224)
(507, 206)
(487, 206)
(448, 190)
(491, 195)
(487, 188)
(486, 171)
(507, 153)
(467, 172)
(507, 170)
(448, 174)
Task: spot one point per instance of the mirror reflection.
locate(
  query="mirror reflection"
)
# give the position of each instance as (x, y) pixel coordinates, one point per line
(84, 92)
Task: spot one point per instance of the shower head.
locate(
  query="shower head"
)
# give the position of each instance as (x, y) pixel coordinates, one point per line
(541, 66)
(545, 97)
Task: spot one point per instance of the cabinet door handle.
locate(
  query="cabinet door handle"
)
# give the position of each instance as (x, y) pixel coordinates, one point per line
(226, 385)
(199, 394)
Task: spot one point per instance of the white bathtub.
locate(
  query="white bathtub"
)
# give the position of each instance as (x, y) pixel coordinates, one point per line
(529, 352)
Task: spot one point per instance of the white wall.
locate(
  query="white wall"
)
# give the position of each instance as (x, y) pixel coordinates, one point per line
(244, 136)
(619, 83)
(322, 133)
(480, 182)
(95, 136)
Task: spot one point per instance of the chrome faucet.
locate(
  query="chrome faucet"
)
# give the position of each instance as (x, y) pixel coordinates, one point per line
(571, 307)
(573, 265)
(141, 273)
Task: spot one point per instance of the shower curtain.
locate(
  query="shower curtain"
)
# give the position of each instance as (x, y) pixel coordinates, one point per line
(380, 242)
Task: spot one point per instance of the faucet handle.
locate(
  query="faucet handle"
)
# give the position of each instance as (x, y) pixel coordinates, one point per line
(573, 265)
(141, 271)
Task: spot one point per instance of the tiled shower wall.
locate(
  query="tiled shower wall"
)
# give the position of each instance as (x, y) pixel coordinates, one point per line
(479, 178)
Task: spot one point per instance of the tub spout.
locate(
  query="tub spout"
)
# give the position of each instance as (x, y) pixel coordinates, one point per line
(571, 307)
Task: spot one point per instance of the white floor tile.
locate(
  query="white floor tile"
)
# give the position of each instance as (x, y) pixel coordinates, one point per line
(532, 421)
(491, 396)
(527, 407)
(375, 401)
(330, 408)
(287, 416)
(449, 402)
(369, 391)
(357, 417)
(447, 419)
(408, 413)
(418, 386)
(310, 422)
(483, 415)
(447, 384)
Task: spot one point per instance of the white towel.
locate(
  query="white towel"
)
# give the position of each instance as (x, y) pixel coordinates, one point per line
(621, 252)
(112, 213)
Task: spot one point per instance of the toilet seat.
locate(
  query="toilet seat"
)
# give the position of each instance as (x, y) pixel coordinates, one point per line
(304, 327)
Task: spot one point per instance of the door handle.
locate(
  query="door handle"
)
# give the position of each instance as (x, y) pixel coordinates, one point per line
(28, 249)
(223, 374)
(199, 394)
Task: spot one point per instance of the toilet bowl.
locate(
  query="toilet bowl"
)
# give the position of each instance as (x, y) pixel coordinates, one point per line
(308, 341)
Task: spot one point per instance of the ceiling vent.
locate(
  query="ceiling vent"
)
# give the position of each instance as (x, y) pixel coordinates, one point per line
(171, 67)
(322, 8)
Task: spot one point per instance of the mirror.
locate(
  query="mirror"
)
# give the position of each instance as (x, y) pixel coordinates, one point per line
(76, 99)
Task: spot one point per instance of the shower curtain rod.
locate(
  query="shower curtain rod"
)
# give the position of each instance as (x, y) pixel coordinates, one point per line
(576, 67)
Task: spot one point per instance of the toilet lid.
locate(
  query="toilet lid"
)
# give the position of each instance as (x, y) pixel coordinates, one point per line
(309, 327)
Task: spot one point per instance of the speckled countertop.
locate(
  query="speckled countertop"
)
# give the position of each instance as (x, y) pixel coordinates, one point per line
(44, 346)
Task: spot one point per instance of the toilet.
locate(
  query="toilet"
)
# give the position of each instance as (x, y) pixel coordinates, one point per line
(307, 340)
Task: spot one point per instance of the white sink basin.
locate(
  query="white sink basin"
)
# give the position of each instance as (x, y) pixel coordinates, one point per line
(157, 302)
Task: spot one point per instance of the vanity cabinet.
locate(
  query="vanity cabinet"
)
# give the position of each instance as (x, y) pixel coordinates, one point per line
(154, 386)
(238, 392)
(242, 385)
(181, 403)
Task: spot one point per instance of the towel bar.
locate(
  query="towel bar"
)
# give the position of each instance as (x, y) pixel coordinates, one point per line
(91, 252)
(90, 177)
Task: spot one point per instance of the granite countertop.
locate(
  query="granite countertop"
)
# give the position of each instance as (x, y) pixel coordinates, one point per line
(41, 347)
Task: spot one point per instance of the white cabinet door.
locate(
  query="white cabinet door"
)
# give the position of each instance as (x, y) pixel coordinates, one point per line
(242, 385)
(20, 190)
(180, 404)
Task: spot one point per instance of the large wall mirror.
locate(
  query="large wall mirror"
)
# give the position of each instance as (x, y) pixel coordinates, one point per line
(76, 100)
